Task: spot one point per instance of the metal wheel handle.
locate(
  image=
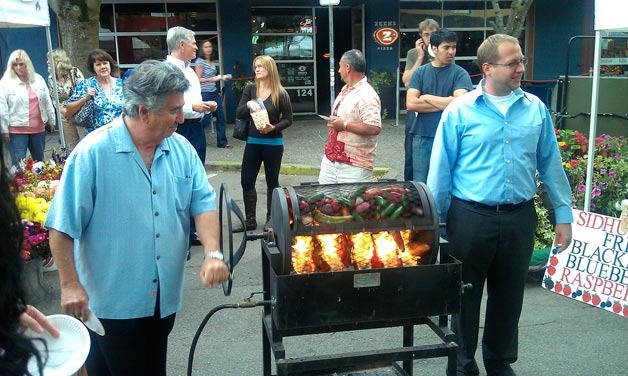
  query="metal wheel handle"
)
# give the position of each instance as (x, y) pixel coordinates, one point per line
(226, 207)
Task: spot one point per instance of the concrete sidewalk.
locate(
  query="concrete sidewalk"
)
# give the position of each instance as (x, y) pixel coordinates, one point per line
(304, 144)
(558, 336)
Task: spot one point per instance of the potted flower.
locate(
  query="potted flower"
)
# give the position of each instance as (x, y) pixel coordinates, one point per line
(609, 184)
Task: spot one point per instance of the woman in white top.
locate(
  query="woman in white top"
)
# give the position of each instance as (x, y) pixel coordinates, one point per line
(25, 108)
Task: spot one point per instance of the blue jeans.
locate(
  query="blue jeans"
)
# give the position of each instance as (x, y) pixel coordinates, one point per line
(221, 127)
(193, 131)
(421, 152)
(34, 142)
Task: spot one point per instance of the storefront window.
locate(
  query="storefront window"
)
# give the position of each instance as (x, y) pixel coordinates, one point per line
(140, 17)
(134, 50)
(471, 20)
(195, 16)
(106, 18)
(614, 57)
(282, 21)
(463, 14)
(287, 35)
(288, 47)
(138, 30)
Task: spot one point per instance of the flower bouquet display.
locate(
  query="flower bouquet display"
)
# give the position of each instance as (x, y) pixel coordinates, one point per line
(36, 184)
(609, 183)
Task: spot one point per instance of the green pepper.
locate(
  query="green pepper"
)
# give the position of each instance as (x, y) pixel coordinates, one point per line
(388, 210)
(342, 200)
(380, 201)
(405, 202)
(357, 217)
(315, 197)
(357, 192)
(397, 212)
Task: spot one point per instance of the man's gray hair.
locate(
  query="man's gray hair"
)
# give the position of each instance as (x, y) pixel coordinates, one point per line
(150, 85)
(177, 35)
(356, 59)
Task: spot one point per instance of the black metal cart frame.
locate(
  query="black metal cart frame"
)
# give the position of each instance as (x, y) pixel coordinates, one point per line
(437, 289)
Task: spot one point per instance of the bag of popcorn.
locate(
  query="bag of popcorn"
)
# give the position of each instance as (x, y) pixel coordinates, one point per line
(259, 114)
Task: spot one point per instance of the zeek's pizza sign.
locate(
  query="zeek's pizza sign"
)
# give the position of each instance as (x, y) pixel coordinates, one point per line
(594, 269)
(386, 36)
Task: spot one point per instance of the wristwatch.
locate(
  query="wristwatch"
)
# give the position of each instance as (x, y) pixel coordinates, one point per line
(214, 255)
(345, 124)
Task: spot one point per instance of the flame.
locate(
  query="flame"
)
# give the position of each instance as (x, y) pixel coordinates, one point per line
(303, 255)
(413, 245)
(362, 251)
(387, 249)
(330, 247)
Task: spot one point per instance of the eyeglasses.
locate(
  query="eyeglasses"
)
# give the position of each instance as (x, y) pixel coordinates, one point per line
(514, 64)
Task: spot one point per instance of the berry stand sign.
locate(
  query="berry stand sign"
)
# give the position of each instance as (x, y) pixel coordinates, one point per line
(594, 268)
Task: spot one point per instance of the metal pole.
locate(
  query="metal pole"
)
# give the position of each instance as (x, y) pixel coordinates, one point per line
(593, 121)
(55, 92)
(397, 87)
(332, 76)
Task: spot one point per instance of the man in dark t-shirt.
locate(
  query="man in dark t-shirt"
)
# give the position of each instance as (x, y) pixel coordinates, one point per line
(432, 87)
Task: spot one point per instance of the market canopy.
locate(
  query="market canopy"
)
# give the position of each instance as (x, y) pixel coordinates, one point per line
(29, 13)
(24, 13)
(610, 15)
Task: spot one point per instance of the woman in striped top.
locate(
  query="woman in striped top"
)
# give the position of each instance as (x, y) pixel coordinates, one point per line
(207, 75)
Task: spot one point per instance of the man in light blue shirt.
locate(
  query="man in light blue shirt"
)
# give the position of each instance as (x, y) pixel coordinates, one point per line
(489, 145)
(120, 220)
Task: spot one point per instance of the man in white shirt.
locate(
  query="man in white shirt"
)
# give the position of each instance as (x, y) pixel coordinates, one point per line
(182, 48)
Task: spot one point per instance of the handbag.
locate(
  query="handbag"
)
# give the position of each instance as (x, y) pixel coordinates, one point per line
(84, 117)
(241, 129)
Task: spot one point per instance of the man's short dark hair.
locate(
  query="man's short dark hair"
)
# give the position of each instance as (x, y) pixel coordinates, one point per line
(443, 35)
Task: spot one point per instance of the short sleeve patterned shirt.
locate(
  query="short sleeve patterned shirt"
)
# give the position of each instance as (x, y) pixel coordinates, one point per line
(357, 103)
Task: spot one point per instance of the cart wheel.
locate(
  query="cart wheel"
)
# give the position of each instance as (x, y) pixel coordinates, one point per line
(226, 207)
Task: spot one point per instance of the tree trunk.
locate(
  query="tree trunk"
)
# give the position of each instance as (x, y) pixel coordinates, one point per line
(516, 20)
(78, 22)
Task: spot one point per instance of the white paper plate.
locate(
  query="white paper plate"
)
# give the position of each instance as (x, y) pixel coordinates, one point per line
(65, 354)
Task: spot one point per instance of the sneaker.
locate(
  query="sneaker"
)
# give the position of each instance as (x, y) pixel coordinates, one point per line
(49, 265)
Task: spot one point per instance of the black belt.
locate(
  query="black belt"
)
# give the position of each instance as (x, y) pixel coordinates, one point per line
(197, 120)
(500, 208)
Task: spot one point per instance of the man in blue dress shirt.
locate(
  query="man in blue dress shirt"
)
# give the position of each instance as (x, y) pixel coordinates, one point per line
(489, 146)
(120, 220)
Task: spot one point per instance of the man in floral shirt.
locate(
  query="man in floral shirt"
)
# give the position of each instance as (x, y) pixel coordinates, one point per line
(353, 126)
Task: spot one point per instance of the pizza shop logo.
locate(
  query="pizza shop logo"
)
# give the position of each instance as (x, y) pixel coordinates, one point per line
(386, 36)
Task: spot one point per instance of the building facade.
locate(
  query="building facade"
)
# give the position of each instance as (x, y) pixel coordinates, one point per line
(296, 34)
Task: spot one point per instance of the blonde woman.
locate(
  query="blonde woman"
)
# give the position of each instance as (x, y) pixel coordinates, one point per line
(266, 144)
(68, 77)
(25, 108)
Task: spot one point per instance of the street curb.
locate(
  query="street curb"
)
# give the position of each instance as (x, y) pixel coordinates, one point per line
(286, 168)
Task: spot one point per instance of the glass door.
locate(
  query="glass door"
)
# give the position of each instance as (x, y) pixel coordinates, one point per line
(287, 35)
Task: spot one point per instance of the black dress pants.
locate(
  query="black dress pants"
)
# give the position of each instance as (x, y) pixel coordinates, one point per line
(133, 347)
(495, 247)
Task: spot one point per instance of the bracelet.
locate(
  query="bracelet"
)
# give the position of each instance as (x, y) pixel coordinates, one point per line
(346, 124)
(214, 255)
